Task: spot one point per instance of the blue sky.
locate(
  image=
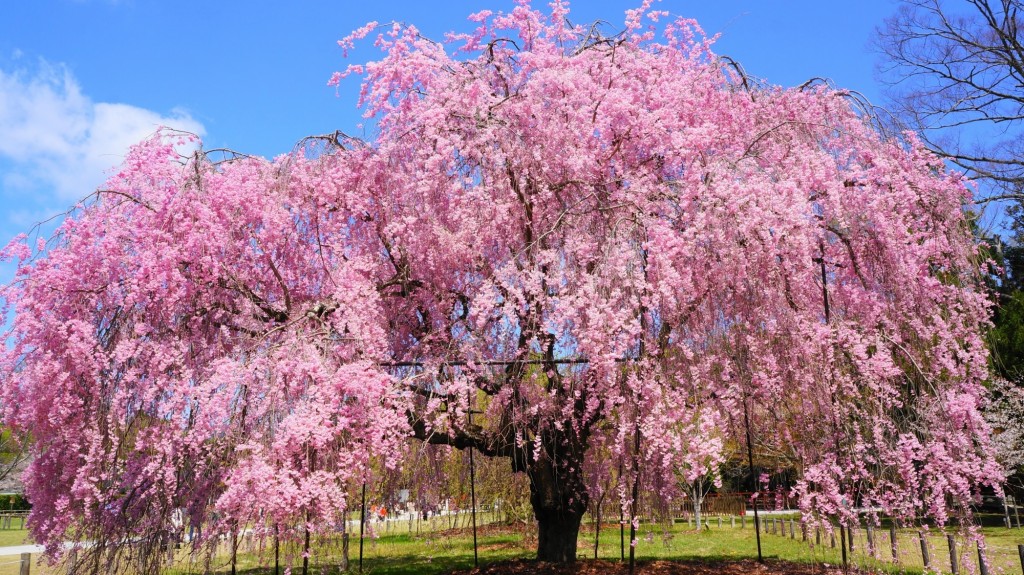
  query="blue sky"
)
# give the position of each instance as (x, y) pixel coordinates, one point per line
(81, 80)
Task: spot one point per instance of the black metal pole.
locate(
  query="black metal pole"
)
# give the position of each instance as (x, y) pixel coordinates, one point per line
(362, 524)
(622, 525)
(750, 461)
(305, 545)
(636, 496)
(472, 485)
(842, 542)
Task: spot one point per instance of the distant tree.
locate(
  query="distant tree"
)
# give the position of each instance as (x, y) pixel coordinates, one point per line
(957, 71)
(1007, 420)
(13, 452)
(574, 252)
(957, 75)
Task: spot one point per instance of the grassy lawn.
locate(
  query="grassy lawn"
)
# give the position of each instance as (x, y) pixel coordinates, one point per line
(11, 537)
(440, 552)
(401, 552)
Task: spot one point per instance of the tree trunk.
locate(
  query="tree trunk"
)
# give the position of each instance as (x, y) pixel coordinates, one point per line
(557, 535)
(698, 502)
(559, 499)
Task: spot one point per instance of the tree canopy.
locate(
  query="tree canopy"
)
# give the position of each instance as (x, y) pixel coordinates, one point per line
(615, 247)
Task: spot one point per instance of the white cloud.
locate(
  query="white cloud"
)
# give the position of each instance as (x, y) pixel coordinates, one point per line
(56, 140)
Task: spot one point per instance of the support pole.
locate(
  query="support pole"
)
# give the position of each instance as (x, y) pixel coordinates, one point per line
(893, 543)
(924, 551)
(636, 495)
(750, 462)
(362, 525)
(622, 525)
(26, 562)
(305, 547)
(842, 543)
(953, 568)
(472, 484)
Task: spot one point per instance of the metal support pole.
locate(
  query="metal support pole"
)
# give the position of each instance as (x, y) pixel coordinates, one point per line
(622, 525)
(636, 496)
(362, 525)
(472, 485)
(750, 462)
(842, 543)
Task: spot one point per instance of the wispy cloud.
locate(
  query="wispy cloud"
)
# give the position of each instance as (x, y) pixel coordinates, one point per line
(58, 142)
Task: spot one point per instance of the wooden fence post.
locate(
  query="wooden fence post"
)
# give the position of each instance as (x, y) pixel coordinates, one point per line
(72, 561)
(952, 553)
(871, 541)
(344, 551)
(1020, 551)
(26, 561)
(893, 544)
(924, 550)
(732, 521)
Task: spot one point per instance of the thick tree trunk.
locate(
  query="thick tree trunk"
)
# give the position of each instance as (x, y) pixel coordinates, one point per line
(559, 498)
(557, 535)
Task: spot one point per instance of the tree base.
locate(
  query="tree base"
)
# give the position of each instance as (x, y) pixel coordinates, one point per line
(557, 534)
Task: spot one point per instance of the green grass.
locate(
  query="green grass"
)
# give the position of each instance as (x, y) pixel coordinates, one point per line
(440, 552)
(430, 552)
(11, 537)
